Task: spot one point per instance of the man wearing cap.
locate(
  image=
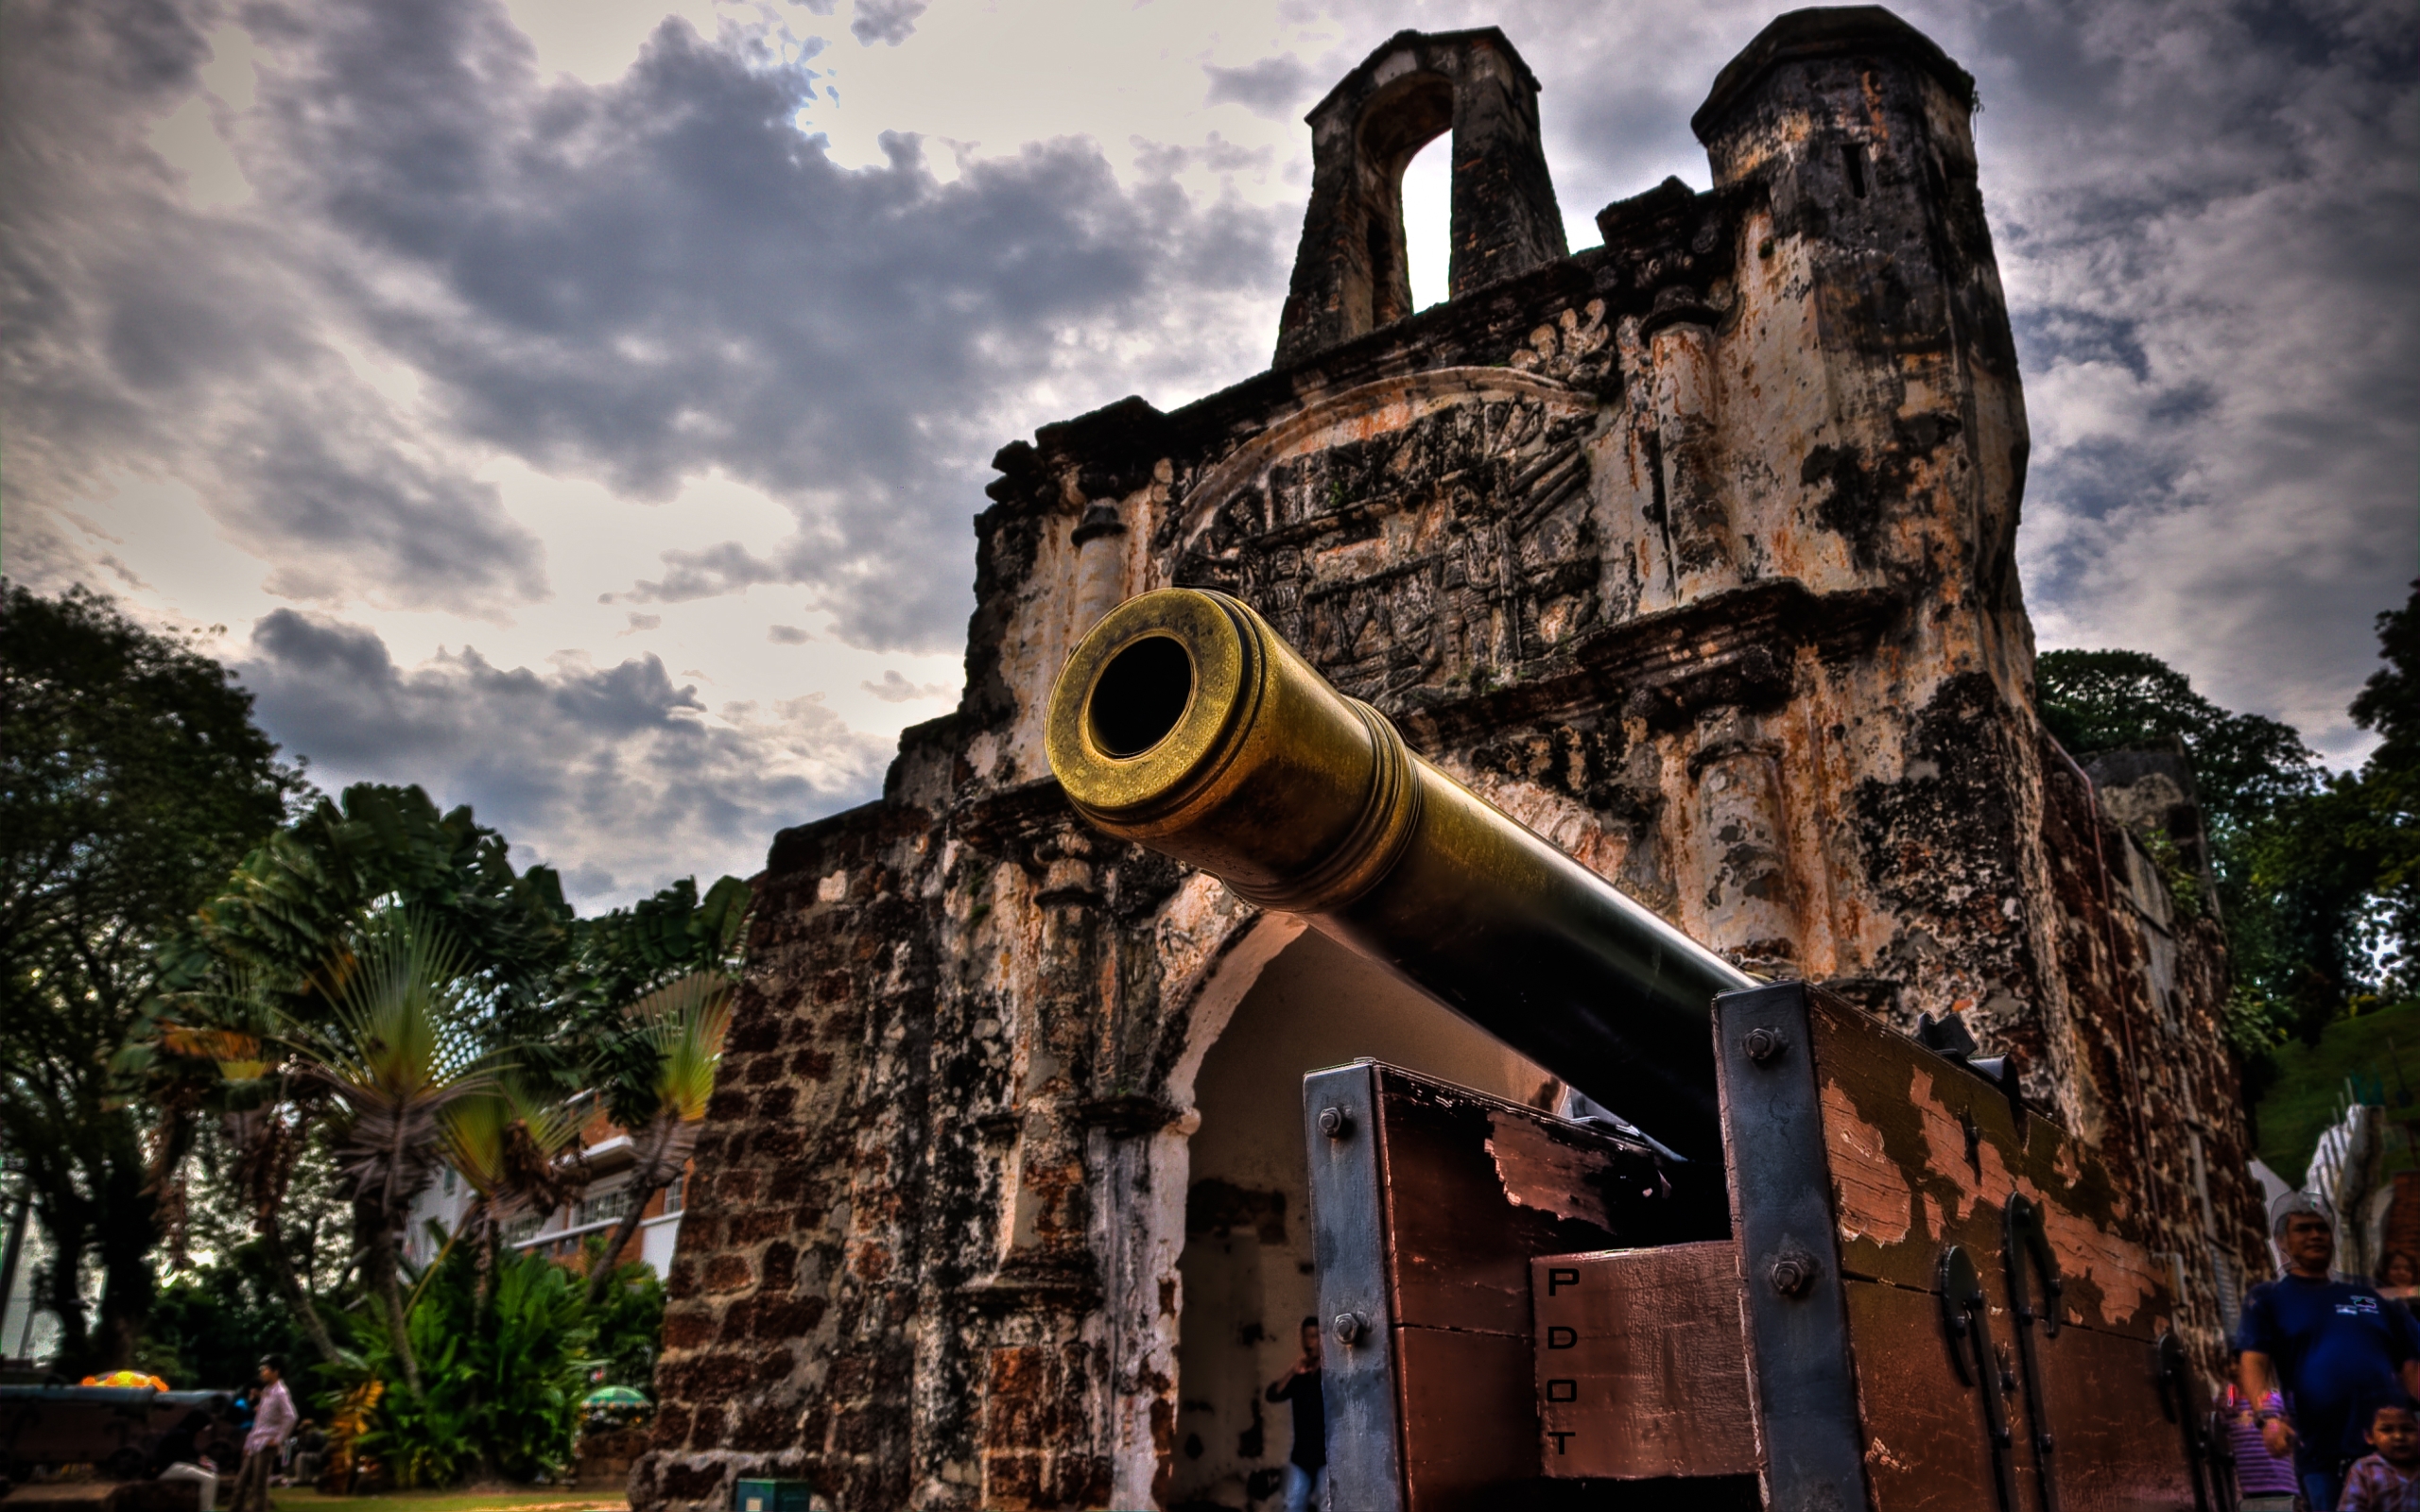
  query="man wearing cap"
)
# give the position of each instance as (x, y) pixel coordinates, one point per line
(2334, 1347)
(272, 1419)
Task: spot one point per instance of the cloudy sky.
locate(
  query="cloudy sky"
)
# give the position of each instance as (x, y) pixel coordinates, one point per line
(577, 406)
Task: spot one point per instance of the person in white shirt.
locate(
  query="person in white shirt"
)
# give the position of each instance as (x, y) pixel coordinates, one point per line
(272, 1419)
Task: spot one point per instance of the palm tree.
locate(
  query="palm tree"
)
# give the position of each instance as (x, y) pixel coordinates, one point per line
(507, 1145)
(401, 1042)
(664, 1075)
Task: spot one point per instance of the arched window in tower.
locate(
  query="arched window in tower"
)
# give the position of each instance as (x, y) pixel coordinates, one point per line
(1429, 222)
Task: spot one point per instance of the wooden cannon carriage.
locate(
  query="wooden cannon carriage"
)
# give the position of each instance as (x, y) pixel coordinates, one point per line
(1829, 1265)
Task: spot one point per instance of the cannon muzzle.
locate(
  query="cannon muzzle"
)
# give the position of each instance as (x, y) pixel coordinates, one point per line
(1183, 723)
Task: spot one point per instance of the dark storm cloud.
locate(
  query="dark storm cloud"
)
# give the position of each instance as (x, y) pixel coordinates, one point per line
(576, 762)
(1276, 87)
(148, 339)
(2204, 214)
(638, 281)
(661, 276)
(897, 689)
(890, 21)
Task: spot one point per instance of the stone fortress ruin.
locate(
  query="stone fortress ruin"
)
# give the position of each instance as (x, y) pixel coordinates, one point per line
(1694, 552)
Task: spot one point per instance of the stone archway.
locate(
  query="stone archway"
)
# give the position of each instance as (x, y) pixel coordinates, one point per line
(1245, 1264)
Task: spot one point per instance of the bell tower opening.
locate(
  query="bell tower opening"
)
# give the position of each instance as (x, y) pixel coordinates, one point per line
(1429, 223)
(1401, 119)
(1247, 1277)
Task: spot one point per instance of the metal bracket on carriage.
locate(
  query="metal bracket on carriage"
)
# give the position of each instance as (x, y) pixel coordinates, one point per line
(1948, 1037)
(1966, 1327)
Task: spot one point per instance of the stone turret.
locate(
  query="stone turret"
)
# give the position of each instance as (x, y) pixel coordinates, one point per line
(1353, 275)
(1694, 552)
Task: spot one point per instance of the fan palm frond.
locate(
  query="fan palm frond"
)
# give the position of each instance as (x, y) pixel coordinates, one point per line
(400, 1042)
(685, 1021)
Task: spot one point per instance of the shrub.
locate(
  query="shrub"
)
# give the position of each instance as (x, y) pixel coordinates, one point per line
(504, 1368)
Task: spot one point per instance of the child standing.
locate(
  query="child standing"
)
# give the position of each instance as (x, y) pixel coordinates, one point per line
(2264, 1482)
(2388, 1478)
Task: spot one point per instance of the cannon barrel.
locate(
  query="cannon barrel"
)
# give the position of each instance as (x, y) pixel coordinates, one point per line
(1183, 723)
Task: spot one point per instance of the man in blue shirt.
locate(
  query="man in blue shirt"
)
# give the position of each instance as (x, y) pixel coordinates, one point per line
(2336, 1349)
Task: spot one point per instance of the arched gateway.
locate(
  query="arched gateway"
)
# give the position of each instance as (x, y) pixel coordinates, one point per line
(1691, 552)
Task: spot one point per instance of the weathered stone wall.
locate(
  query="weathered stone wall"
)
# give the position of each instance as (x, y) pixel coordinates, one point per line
(1693, 552)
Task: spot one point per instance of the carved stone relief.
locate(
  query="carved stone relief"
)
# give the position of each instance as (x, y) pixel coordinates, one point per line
(1414, 538)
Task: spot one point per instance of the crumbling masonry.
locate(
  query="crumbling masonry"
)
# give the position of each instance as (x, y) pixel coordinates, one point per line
(1694, 552)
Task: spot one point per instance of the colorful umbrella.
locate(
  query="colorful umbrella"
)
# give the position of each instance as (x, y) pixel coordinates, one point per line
(614, 1396)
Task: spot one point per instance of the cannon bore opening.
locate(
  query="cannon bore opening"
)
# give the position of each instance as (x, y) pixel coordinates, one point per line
(1139, 696)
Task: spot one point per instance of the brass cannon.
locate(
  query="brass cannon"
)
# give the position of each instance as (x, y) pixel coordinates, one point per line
(1829, 1267)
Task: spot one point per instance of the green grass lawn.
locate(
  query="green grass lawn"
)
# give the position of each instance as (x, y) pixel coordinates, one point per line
(515, 1501)
(2299, 1108)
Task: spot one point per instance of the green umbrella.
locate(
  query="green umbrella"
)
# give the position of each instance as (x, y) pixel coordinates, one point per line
(614, 1396)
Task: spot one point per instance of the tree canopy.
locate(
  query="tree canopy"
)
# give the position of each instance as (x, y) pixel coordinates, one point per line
(2319, 873)
(2243, 765)
(202, 958)
(132, 778)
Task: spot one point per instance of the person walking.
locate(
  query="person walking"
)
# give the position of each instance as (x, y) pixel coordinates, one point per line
(2333, 1349)
(1306, 1463)
(272, 1419)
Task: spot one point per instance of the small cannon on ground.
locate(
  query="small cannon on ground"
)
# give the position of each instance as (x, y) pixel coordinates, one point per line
(1829, 1266)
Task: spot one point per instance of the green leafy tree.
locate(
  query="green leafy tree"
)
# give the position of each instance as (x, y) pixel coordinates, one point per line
(402, 1043)
(132, 778)
(215, 1055)
(299, 895)
(252, 956)
(666, 1060)
(291, 1272)
(2388, 705)
(2319, 874)
(2244, 765)
(513, 1147)
(620, 956)
(654, 983)
(505, 1378)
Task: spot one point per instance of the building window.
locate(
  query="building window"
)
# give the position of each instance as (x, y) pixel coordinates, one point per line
(603, 1206)
(672, 1194)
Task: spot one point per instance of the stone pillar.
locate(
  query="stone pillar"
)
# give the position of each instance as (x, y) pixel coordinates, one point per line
(1742, 830)
(1857, 132)
(1697, 516)
(1100, 566)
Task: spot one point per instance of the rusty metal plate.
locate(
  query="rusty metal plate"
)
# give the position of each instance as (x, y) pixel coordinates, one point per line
(1805, 1385)
(1642, 1370)
(1477, 1185)
(1925, 1431)
(1348, 1226)
(1927, 1448)
(2116, 1449)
